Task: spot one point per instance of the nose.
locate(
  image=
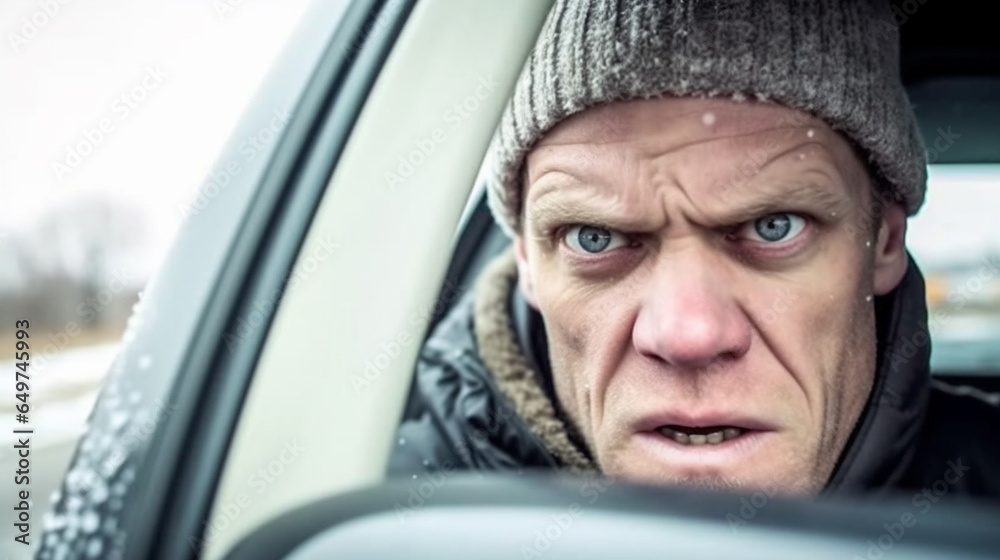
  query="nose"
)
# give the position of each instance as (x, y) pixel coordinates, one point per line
(689, 317)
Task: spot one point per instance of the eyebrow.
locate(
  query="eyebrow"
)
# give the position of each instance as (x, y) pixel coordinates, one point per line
(784, 197)
(557, 206)
(571, 209)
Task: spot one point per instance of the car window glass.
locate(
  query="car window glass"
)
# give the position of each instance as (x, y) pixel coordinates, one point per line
(955, 238)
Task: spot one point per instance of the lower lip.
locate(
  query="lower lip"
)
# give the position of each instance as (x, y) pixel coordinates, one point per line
(730, 453)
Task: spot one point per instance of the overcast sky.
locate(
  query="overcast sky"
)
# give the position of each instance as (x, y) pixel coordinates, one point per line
(202, 64)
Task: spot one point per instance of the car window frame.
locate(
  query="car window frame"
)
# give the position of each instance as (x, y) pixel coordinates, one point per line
(187, 386)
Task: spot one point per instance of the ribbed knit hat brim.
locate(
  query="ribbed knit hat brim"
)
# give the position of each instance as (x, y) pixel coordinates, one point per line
(835, 59)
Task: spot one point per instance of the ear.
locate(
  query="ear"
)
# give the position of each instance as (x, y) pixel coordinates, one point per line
(890, 260)
(525, 280)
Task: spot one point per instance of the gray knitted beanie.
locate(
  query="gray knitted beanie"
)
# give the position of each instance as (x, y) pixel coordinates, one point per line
(835, 59)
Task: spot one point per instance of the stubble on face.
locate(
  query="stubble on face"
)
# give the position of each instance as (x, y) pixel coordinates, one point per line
(806, 374)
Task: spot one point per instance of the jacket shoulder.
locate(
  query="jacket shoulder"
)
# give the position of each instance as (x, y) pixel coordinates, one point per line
(960, 442)
(455, 416)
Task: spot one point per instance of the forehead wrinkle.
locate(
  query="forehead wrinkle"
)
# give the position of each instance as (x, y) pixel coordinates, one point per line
(655, 149)
(625, 119)
(802, 146)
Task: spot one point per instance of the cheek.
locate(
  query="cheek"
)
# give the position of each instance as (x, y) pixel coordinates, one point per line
(589, 330)
(816, 321)
(582, 321)
(834, 297)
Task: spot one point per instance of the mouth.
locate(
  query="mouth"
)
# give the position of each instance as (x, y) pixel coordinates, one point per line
(702, 444)
(718, 435)
(710, 435)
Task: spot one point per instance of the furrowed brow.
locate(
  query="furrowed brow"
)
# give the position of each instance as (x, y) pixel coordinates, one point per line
(802, 197)
(564, 208)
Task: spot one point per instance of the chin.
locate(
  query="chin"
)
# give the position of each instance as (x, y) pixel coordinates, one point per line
(747, 466)
(721, 483)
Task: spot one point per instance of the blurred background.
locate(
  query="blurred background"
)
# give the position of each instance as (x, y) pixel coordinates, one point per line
(112, 113)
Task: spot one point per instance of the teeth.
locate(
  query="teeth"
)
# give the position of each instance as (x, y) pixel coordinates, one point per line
(712, 438)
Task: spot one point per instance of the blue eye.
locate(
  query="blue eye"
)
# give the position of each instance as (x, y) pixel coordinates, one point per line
(594, 240)
(774, 228)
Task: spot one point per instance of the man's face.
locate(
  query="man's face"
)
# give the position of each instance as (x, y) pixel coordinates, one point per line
(705, 270)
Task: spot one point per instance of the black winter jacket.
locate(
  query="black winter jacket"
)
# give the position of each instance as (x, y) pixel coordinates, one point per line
(913, 433)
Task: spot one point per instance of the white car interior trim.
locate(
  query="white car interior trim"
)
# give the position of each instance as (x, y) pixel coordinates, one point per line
(331, 382)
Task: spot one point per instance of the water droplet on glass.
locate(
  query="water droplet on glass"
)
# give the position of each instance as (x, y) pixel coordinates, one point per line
(58, 522)
(402, 441)
(868, 243)
(118, 420)
(869, 298)
(89, 522)
(414, 477)
(99, 493)
(833, 214)
(145, 361)
(426, 463)
(51, 539)
(811, 133)
(708, 119)
(94, 547)
(128, 475)
(73, 504)
(71, 533)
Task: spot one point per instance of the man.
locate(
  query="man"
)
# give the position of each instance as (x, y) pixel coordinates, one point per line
(709, 284)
